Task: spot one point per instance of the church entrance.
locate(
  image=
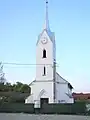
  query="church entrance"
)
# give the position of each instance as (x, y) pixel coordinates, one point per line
(44, 101)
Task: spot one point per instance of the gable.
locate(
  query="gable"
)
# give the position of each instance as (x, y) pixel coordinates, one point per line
(49, 35)
(60, 79)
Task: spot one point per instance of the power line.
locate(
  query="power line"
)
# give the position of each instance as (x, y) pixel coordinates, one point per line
(23, 64)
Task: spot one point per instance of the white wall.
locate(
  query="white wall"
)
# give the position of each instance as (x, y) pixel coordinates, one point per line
(38, 86)
(44, 82)
(60, 79)
(62, 89)
(44, 61)
(71, 100)
(69, 91)
(29, 99)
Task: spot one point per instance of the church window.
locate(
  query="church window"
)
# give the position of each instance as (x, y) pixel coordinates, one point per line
(44, 53)
(44, 72)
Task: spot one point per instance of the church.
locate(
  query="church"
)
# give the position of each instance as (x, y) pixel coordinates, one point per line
(48, 85)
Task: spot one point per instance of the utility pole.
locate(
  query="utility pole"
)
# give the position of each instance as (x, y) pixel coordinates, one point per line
(54, 81)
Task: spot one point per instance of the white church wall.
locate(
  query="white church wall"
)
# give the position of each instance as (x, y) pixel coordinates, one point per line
(54, 47)
(61, 93)
(47, 62)
(70, 100)
(60, 79)
(29, 99)
(37, 87)
(69, 91)
(62, 90)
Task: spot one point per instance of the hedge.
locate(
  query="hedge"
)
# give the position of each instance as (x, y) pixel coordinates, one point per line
(76, 108)
(17, 108)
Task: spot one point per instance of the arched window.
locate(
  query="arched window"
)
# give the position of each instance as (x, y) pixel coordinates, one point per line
(44, 53)
(44, 72)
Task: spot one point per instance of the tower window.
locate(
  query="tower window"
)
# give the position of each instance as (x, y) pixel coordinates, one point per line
(44, 53)
(44, 72)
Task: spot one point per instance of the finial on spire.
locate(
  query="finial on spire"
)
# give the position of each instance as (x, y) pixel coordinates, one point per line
(46, 24)
(46, 1)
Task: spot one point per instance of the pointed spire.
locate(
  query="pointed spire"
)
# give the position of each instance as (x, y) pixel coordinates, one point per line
(46, 24)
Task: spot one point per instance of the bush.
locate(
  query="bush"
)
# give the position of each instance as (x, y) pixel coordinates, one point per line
(76, 108)
(17, 108)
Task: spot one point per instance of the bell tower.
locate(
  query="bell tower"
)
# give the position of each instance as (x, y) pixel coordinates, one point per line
(45, 52)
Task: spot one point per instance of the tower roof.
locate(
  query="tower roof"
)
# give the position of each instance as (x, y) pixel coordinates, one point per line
(46, 24)
(46, 27)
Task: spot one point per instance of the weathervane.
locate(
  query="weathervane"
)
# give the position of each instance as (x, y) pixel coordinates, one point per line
(46, 1)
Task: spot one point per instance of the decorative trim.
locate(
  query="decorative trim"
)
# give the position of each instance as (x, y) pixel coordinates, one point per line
(70, 96)
(43, 81)
(61, 82)
(32, 82)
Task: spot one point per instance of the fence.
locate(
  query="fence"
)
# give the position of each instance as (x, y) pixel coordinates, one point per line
(17, 108)
(76, 108)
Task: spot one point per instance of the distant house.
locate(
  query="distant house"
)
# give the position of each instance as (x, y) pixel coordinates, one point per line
(81, 96)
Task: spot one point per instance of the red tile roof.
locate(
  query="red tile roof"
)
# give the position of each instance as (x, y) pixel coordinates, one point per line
(79, 96)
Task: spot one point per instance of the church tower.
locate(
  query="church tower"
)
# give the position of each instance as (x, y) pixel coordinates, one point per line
(48, 86)
(45, 53)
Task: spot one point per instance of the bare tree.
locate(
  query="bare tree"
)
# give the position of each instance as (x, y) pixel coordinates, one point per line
(2, 74)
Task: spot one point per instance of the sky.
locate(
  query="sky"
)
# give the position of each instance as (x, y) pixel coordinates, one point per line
(21, 21)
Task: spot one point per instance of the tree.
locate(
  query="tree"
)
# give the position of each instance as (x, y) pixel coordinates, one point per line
(2, 74)
(2, 87)
(17, 86)
(8, 87)
(25, 88)
(14, 93)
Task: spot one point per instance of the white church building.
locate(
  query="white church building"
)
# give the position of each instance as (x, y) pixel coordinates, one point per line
(48, 85)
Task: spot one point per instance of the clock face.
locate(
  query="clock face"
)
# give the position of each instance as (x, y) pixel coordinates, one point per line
(44, 40)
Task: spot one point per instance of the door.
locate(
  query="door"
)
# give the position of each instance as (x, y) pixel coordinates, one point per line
(44, 101)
